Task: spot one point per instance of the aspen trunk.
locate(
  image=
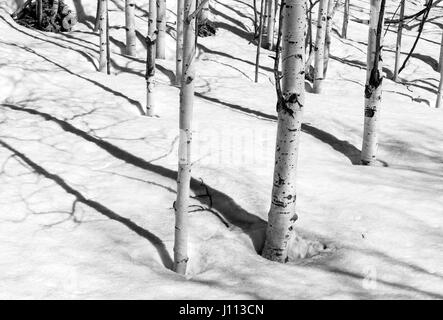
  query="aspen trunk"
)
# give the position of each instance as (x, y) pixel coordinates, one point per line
(260, 39)
(161, 28)
(344, 30)
(399, 38)
(150, 58)
(179, 48)
(108, 49)
(103, 35)
(320, 46)
(130, 27)
(328, 37)
(440, 64)
(184, 148)
(282, 215)
(97, 16)
(39, 13)
(440, 87)
(269, 44)
(374, 80)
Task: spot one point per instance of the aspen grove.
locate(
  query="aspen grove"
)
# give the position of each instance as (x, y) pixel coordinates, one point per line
(221, 149)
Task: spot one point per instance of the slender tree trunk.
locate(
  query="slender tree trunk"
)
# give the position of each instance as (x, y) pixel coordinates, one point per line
(270, 25)
(130, 27)
(39, 13)
(282, 215)
(320, 46)
(344, 30)
(260, 38)
(103, 35)
(179, 48)
(161, 28)
(108, 45)
(265, 15)
(374, 80)
(328, 37)
(308, 42)
(440, 64)
(150, 58)
(399, 37)
(440, 87)
(97, 16)
(184, 148)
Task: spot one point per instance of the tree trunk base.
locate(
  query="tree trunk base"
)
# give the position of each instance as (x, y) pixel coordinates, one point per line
(64, 20)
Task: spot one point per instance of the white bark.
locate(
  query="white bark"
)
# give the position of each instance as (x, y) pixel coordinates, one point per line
(103, 36)
(161, 27)
(344, 31)
(399, 38)
(440, 64)
(269, 43)
(97, 16)
(320, 46)
(130, 27)
(440, 87)
(260, 39)
(328, 37)
(179, 47)
(150, 58)
(184, 148)
(282, 213)
(373, 91)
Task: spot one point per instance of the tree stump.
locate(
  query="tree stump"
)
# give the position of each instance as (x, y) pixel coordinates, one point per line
(63, 21)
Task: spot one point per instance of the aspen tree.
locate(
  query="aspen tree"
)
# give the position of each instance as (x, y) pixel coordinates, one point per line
(344, 30)
(39, 13)
(440, 87)
(399, 38)
(179, 47)
(130, 27)
(184, 148)
(320, 46)
(440, 64)
(161, 29)
(291, 97)
(150, 58)
(269, 44)
(374, 80)
(328, 37)
(260, 39)
(103, 35)
(97, 16)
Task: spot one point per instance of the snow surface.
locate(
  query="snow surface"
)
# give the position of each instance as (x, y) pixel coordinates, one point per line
(87, 184)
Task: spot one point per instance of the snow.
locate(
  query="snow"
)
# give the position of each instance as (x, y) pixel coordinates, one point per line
(86, 202)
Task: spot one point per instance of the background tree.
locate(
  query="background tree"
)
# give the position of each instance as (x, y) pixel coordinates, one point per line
(161, 28)
(179, 47)
(344, 30)
(130, 27)
(150, 58)
(440, 87)
(184, 147)
(269, 43)
(260, 39)
(374, 80)
(103, 60)
(399, 38)
(332, 7)
(320, 46)
(290, 104)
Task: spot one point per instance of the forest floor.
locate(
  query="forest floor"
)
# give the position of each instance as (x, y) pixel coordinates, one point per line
(87, 184)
